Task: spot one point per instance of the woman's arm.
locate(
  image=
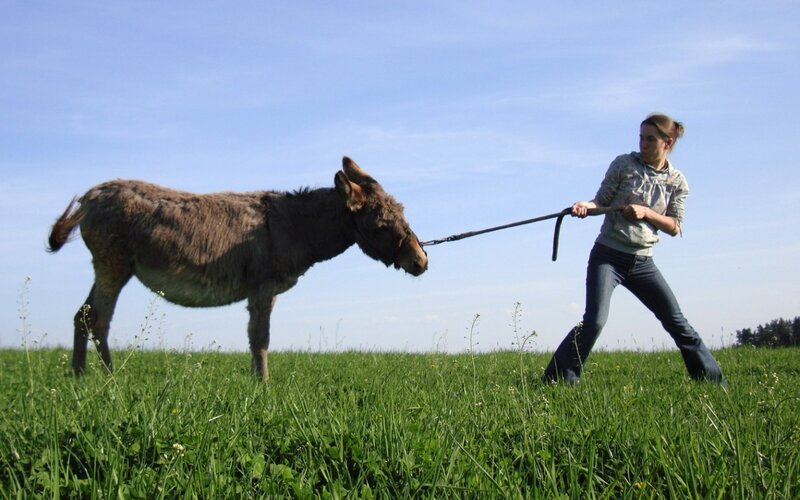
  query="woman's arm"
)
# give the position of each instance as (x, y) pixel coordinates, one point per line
(663, 222)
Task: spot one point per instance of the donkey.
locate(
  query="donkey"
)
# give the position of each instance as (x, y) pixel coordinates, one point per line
(215, 249)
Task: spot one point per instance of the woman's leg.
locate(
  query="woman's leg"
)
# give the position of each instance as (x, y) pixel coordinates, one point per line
(604, 272)
(648, 284)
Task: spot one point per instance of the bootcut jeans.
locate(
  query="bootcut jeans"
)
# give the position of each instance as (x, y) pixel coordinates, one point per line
(606, 269)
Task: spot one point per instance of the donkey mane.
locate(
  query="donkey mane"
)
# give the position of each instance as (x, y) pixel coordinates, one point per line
(300, 192)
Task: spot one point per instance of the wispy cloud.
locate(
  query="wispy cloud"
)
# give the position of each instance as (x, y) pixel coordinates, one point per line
(688, 63)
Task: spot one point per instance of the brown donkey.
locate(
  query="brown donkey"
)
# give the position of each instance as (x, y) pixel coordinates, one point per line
(216, 249)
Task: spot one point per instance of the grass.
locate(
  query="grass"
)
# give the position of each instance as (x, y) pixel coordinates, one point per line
(394, 425)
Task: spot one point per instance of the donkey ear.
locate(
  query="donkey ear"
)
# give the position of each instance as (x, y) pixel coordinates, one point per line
(355, 173)
(350, 192)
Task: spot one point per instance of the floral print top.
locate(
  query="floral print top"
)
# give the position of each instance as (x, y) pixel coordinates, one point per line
(630, 181)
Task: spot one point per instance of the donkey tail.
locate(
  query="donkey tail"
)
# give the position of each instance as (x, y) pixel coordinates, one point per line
(65, 225)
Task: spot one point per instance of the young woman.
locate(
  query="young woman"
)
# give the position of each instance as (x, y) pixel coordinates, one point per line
(650, 193)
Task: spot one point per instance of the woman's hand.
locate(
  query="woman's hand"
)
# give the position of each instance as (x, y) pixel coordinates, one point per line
(581, 208)
(663, 222)
(636, 212)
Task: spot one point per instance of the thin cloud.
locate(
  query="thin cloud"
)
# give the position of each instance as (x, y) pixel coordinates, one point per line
(686, 64)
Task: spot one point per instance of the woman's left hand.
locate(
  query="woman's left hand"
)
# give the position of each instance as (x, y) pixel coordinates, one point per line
(635, 212)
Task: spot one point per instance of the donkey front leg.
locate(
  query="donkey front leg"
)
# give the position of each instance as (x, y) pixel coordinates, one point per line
(260, 308)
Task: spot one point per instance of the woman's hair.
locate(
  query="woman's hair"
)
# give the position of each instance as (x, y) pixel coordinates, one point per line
(666, 126)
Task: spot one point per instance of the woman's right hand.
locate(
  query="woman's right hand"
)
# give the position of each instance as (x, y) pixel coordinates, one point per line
(581, 208)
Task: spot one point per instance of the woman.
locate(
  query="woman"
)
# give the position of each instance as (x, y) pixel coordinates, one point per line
(650, 194)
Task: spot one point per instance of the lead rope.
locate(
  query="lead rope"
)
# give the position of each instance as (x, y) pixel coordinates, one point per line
(559, 216)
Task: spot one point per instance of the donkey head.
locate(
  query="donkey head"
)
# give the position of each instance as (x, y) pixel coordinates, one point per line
(380, 227)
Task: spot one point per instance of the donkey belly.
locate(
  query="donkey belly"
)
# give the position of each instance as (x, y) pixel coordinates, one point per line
(189, 290)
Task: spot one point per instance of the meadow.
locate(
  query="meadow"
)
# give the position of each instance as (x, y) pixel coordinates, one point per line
(397, 425)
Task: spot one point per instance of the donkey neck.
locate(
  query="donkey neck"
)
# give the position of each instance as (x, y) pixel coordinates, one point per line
(320, 224)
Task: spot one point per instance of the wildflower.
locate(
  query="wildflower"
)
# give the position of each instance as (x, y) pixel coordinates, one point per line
(178, 448)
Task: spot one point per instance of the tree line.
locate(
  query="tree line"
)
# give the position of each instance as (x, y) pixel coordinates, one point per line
(776, 333)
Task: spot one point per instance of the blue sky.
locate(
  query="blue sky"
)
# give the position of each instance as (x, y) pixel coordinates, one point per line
(472, 114)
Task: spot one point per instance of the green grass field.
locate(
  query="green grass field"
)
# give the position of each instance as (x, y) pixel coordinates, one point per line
(395, 425)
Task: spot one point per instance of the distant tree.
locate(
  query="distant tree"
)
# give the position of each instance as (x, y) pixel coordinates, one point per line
(776, 333)
(745, 337)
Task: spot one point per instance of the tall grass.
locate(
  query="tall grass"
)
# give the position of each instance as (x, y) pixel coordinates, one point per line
(394, 425)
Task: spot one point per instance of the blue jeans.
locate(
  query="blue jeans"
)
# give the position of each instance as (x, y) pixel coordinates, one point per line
(608, 268)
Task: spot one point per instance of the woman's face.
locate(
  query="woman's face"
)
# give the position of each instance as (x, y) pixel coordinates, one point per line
(652, 146)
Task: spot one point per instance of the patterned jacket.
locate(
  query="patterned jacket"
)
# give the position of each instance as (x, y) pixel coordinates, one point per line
(630, 181)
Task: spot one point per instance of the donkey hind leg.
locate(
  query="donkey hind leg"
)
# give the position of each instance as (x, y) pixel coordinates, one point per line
(84, 321)
(260, 309)
(93, 320)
